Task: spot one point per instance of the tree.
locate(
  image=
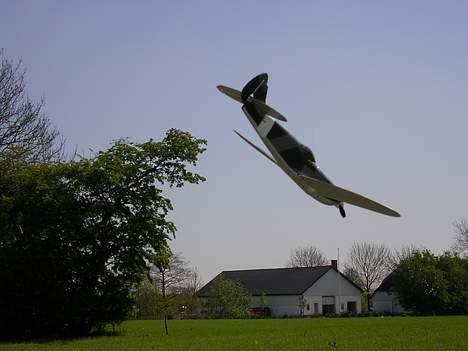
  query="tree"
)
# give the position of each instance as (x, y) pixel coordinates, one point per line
(76, 237)
(229, 299)
(301, 304)
(148, 301)
(263, 301)
(370, 263)
(23, 125)
(461, 231)
(429, 284)
(307, 257)
(398, 255)
(170, 273)
(193, 283)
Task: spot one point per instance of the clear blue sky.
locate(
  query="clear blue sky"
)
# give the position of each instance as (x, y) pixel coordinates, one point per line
(378, 90)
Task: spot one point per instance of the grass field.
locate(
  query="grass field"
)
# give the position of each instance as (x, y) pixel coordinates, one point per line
(389, 333)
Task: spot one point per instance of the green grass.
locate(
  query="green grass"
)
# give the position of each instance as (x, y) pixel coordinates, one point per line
(389, 333)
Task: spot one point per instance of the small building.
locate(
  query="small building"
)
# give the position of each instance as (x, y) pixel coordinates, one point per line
(323, 290)
(385, 300)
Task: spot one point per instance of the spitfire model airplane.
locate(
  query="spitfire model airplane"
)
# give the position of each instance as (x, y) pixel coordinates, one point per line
(294, 158)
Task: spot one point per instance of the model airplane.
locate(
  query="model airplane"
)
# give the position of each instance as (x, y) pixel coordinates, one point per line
(294, 158)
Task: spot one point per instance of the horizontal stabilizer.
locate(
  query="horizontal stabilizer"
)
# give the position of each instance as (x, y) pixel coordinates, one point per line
(261, 106)
(342, 195)
(255, 147)
(267, 110)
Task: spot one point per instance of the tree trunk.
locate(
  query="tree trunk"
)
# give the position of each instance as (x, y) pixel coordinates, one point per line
(163, 290)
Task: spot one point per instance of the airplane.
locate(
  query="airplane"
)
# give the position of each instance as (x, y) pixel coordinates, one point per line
(293, 157)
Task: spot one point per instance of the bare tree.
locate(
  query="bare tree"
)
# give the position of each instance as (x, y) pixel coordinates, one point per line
(193, 283)
(399, 254)
(461, 239)
(307, 257)
(173, 276)
(23, 125)
(370, 262)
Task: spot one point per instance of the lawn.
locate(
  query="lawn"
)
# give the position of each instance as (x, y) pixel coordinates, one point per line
(373, 333)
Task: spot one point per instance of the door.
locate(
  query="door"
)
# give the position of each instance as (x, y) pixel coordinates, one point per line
(328, 305)
(351, 307)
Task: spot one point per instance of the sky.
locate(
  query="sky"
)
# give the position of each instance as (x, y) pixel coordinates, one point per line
(376, 89)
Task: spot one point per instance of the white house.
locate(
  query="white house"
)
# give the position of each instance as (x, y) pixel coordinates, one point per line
(324, 289)
(384, 300)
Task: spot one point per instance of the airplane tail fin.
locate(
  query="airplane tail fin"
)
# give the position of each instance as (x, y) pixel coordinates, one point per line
(257, 87)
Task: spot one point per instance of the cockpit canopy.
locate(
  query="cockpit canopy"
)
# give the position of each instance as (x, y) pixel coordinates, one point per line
(307, 153)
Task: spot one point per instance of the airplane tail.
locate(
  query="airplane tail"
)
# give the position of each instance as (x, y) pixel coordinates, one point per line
(257, 87)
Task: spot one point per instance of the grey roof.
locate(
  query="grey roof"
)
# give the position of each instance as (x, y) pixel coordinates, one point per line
(275, 281)
(386, 285)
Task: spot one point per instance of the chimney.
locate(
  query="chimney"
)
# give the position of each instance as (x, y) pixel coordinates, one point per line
(334, 264)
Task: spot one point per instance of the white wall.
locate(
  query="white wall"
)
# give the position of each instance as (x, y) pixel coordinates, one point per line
(387, 302)
(333, 284)
(280, 304)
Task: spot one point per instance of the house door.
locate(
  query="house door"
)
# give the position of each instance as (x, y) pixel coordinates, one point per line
(351, 307)
(328, 305)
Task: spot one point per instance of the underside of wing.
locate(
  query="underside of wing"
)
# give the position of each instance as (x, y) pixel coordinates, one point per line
(255, 147)
(342, 195)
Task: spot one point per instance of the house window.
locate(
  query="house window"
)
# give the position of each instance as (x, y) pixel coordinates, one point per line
(308, 307)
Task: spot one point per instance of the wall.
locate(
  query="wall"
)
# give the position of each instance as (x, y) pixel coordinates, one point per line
(333, 284)
(280, 305)
(387, 302)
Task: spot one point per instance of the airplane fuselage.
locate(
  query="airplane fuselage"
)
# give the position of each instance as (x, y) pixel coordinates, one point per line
(291, 156)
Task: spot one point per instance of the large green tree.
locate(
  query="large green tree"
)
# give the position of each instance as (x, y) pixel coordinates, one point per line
(76, 237)
(430, 284)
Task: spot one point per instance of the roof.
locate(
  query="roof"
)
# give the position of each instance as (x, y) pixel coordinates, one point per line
(386, 284)
(273, 281)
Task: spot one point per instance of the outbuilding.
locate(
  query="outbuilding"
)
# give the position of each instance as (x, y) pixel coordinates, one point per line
(385, 299)
(297, 291)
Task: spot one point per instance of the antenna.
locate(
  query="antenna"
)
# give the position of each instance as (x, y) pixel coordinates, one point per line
(339, 278)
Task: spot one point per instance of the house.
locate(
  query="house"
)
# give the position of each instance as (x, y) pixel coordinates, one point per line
(324, 290)
(385, 300)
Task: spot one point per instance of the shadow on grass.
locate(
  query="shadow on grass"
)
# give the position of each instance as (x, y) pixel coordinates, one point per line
(108, 332)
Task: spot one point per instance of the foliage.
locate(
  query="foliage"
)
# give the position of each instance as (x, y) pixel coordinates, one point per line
(399, 254)
(23, 125)
(396, 333)
(228, 299)
(76, 237)
(430, 284)
(148, 302)
(368, 264)
(307, 257)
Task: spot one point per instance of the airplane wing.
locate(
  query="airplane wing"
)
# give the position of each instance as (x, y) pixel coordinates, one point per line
(255, 147)
(339, 194)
